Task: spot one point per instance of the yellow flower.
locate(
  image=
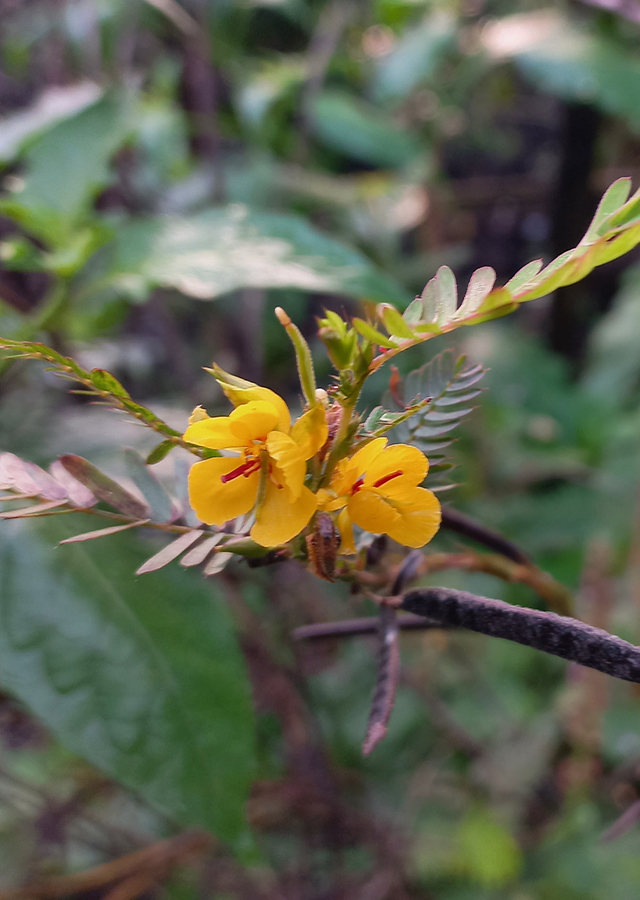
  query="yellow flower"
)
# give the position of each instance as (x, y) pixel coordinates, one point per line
(269, 471)
(377, 488)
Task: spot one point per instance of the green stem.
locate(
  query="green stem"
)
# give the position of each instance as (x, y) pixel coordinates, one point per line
(336, 453)
(41, 321)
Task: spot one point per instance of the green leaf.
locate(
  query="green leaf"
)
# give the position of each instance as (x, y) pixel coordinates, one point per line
(105, 381)
(616, 232)
(487, 852)
(360, 131)
(566, 60)
(67, 167)
(524, 275)
(451, 384)
(395, 324)
(221, 250)
(371, 334)
(143, 678)
(159, 452)
(416, 56)
(613, 198)
(53, 105)
(480, 285)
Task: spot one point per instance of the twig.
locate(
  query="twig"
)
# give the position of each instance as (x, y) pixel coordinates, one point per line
(407, 572)
(452, 520)
(387, 680)
(355, 627)
(548, 589)
(628, 820)
(152, 864)
(628, 9)
(557, 635)
(179, 16)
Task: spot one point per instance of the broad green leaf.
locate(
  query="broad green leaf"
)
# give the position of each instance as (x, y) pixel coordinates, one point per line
(565, 59)
(416, 56)
(221, 250)
(141, 677)
(53, 105)
(361, 132)
(67, 167)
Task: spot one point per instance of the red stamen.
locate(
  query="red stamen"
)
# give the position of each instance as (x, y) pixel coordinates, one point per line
(386, 478)
(246, 469)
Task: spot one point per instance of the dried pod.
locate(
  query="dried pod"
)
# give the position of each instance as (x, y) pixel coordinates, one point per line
(322, 546)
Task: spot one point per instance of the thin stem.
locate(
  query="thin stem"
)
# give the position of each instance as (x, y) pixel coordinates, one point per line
(356, 627)
(452, 520)
(341, 434)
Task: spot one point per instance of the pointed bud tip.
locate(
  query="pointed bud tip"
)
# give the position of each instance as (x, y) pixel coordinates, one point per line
(283, 318)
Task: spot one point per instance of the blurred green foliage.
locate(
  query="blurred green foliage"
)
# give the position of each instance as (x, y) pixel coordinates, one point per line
(314, 153)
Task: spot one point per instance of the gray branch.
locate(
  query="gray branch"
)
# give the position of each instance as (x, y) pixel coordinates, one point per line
(557, 635)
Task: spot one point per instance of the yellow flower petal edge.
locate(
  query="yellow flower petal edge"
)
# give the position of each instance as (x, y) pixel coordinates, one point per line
(377, 489)
(240, 391)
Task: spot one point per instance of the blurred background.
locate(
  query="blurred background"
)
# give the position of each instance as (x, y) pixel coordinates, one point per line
(171, 171)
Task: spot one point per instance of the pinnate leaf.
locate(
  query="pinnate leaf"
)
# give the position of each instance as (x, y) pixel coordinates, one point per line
(614, 231)
(103, 384)
(450, 383)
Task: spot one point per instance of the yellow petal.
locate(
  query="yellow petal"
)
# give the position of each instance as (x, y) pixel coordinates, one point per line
(198, 415)
(409, 461)
(310, 432)
(241, 391)
(372, 512)
(419, 520)
(213, 433)
(327, 500)
(278, 520)
(364, 458)
(345, 527)
(253, 421)
(289, 468)
(344, 477)
(214, 501)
